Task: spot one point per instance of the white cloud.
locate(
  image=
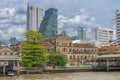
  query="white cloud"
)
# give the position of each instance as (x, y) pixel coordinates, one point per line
(7, 12)
(72, 24)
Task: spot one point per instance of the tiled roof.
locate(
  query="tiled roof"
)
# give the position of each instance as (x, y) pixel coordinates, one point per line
(46, 43)
(83, 45)
(109, 48)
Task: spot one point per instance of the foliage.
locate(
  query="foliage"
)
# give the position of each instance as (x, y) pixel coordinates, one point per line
(33, 53)
(56, 59)
(33, 37)
(118, 59)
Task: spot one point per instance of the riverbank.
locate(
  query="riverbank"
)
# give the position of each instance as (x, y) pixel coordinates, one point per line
(68, 76)
(64, 70)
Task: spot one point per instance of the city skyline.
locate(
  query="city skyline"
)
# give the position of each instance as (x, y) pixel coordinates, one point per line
(80, 13)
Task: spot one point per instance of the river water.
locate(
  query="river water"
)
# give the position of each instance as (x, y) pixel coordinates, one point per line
(68, 76)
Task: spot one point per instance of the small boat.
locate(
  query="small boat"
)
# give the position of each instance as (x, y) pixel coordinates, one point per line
(10, 73)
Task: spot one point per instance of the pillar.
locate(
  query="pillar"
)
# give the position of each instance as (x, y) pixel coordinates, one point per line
(107, 64)
(4, 70)
(17, 67)
(95, 65)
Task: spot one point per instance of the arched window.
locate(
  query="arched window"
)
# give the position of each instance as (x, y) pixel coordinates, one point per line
(5, 53)
(11, 53)
(70, 57)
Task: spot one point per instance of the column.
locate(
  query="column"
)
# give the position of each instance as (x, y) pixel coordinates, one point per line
(18, 68)
(4, 69)
(107, 64)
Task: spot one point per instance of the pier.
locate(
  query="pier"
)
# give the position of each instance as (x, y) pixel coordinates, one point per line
(106, 62)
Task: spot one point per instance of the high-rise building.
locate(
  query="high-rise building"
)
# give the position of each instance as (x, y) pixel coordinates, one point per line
(117, 24)
(103, 35)
(34, 17)
(81, 34)
(49, 25)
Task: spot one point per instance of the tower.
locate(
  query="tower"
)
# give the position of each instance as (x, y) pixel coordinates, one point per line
(81, 33)
(34, 17)
(49, 25)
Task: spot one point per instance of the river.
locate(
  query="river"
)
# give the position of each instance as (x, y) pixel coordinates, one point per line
(68, 76)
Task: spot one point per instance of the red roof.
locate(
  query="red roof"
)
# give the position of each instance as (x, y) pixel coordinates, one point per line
(46, 43)
(109, 48)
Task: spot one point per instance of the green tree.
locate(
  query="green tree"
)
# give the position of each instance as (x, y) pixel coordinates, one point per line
(118, 59)
(57, 59)
(33, 53)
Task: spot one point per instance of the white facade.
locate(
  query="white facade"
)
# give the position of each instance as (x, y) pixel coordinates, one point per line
(103, 35)
(34, 17)
(117, 24)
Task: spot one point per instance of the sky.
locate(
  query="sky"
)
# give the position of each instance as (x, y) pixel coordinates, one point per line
(72, 14)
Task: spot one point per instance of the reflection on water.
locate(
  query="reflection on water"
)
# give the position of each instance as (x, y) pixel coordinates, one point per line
(68, 76)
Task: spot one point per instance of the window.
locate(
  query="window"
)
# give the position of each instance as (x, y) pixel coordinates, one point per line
(5, 53)
(10, 53)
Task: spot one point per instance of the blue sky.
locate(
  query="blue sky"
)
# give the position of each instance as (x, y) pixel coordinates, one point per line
(72, 15)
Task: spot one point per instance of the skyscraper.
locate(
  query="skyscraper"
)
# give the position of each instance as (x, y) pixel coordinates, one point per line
(49, 25)
(103, 35)
(34, 17)
(81, 34)
(117, 24)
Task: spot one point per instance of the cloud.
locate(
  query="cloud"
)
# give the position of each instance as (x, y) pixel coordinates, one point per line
(12, 23)
(72, 15)
(72, 24)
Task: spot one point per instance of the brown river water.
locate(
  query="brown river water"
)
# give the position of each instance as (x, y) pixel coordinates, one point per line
(68, 76)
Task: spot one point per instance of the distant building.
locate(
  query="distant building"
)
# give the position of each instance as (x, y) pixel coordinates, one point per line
(34, 17)
(81, 34)
(103, 35)
(13, 40)
(117, 24)
(2, 44)
(49, 25)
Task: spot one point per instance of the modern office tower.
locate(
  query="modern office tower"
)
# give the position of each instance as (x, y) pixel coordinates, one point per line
(49, 25)
(81, 34)
(117, 24)
(34, 17)
(103, 35)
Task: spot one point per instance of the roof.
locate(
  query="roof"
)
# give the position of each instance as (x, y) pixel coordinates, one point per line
(109, 56)
(6, 50)
(109, 48)
(63, 35)
(8, 57)
(46, 43)
(83, 45)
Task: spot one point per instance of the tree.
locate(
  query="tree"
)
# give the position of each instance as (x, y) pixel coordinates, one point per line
(118, 59)
(33, 53)
(57, 59)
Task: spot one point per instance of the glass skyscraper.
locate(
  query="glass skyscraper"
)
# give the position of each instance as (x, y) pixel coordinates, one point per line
(49, 25)
(82, 33)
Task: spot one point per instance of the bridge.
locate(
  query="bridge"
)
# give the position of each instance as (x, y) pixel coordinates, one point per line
(108, 62)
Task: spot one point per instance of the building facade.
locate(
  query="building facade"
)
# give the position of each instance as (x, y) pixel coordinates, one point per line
(34, 17)
(75, 53)
(81, 34)
(49, 25)
(103, 35)
(117, 24)
(9, 57)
